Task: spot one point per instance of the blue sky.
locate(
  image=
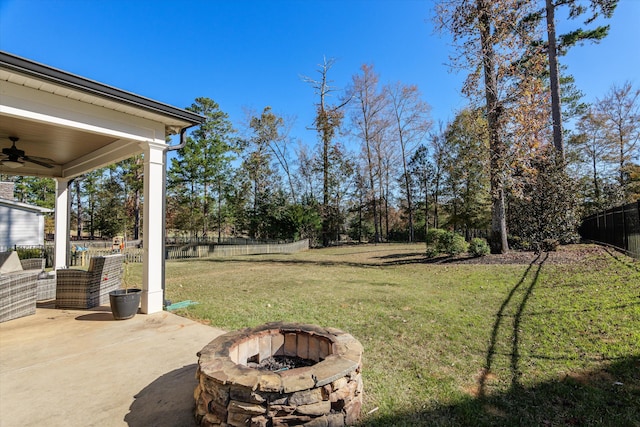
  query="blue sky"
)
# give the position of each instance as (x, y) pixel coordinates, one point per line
(252, 53)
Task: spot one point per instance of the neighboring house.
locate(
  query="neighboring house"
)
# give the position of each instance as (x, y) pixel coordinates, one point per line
(21, 224)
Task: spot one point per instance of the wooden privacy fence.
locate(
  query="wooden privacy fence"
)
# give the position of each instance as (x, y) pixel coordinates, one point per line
(202, 251)
(618, 227)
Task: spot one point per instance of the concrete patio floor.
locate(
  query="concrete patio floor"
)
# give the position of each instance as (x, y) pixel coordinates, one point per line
(82, 368)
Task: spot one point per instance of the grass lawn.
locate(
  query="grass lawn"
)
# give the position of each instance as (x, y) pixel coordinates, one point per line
(550, 342)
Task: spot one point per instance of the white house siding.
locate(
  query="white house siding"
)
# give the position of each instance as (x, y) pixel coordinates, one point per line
(20, 225)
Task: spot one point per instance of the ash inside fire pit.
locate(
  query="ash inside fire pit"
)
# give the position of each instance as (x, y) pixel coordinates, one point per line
(281, 363)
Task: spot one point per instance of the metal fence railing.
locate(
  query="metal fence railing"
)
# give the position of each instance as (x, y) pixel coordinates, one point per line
(618, 227)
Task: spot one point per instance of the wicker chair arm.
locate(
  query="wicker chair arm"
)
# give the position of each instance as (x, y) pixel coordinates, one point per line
(66, 274)
(33, 264)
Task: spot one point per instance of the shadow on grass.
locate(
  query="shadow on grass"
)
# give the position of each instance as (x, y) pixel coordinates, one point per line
(633, 265)
(605, 397)
(515, 338)
(287, 262)
(386, 260)
(402, 255)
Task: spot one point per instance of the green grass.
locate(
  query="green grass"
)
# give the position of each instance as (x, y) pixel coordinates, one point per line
(449, 344)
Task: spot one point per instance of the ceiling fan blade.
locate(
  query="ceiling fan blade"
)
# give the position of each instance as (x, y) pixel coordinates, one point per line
(38, 161)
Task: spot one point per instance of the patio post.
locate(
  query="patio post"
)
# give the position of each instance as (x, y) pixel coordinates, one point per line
(61, 242)
(153, 228)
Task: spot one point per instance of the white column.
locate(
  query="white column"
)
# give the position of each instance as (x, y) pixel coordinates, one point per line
(153, 228)
(62, 223)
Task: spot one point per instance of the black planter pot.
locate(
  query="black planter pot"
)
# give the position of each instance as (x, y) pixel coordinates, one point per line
(124, 303)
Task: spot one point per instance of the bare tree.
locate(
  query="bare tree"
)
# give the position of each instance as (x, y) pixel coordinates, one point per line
(327, 122)
(593, 148)
(620, 109)
(369, 121)
(306, 181)
(411, 118)
(272, 131)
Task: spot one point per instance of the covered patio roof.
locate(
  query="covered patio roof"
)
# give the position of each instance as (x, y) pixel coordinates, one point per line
(76, 125)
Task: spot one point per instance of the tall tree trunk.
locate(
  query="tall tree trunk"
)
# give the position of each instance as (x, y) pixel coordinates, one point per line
(497, 147)
(194, 230)
(407, 185)
(325, 179)
(78, 202)
(386, 206)
(360, 218)
(205, 210)
(552, 51)
(376, 237)
(136, 202)
(136, 215)
(219, 210)
(621, 142)
(436, 193)
(381, 196)
(426, 205)
(409, 201)
(596, 187)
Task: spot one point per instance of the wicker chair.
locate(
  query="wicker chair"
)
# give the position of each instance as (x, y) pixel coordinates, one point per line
(46, 285)
(17, 295)
(88, 289)
(18, 286)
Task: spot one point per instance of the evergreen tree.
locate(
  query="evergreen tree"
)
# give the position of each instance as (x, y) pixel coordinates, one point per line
(558, 45)
(467, 166)
(549, 210)
(201, 169)
(110, 213)
(133, 180)
(422, 175)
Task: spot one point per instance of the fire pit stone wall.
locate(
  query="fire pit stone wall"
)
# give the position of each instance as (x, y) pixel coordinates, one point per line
(232, 391)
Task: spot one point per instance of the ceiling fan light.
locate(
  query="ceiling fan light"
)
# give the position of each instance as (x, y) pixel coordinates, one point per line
(12, 164)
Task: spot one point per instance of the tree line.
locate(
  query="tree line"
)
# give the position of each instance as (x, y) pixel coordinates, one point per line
(381, 170)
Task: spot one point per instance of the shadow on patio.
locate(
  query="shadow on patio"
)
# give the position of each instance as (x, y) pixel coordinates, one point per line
(81, 367)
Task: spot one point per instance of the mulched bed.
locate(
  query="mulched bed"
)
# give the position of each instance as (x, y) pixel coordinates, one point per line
(564, 255)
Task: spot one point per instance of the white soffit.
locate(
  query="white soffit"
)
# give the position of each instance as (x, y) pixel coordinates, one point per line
(77, 95)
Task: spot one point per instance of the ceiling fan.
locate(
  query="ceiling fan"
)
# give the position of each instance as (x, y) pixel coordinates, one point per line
(14, 158)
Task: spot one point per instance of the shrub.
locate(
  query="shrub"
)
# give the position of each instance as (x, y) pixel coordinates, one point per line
(433, 236)
(479, 247)
(432, 251)
(549, 245)
(548, 206)
(518, 243)
(443, 241)
(452, 243)
(26, 253)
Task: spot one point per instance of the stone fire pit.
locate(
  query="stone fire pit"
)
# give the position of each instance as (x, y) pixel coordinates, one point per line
(235, 389)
